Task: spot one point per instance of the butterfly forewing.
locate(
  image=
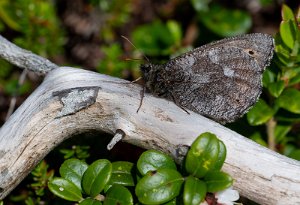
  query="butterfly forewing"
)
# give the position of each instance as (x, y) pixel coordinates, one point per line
(221, 80)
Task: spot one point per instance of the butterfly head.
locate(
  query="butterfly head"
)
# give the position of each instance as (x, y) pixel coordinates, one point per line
(148, 71)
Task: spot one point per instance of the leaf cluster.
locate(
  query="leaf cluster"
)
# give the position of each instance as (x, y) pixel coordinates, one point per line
(280, 109)
(154, 180)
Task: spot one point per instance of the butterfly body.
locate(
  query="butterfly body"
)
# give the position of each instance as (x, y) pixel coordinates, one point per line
(220, 80)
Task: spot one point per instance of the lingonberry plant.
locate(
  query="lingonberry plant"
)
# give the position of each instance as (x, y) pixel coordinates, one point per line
(155, 179)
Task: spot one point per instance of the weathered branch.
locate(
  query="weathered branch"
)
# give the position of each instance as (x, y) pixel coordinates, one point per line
(24, 59)
(72, 101)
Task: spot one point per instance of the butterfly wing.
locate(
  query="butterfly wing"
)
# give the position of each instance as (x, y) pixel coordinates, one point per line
(221, 80)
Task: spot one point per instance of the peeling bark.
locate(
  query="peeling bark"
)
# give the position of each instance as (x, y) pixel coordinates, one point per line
(76, 99)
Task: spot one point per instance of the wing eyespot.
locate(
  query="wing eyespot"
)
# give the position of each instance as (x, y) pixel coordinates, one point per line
(251, 52)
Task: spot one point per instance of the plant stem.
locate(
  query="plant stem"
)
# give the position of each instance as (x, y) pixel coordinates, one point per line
(271, 124)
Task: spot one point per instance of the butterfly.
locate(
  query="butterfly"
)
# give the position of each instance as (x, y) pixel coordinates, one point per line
(220, 80)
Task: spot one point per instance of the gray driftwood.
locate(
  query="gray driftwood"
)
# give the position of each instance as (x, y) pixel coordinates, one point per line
(72, 101)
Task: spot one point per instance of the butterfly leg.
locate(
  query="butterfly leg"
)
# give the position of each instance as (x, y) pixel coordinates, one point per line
(142, 93)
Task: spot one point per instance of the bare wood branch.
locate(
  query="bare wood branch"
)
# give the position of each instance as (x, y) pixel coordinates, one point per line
(74, 101)
(24, 59)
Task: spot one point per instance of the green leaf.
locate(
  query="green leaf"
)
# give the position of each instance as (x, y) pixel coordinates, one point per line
(172, 202)
(96, 177)
(285, 116)
(256, 137)
(217, 181)
(65, 189)
(200, 5)
(121, 174)
(268, 77)
(289, 100)
(222, 156)
(6, 17)
(226, 22)
(153, 39)
(283, 53)
(295, 154)
(288, 149)
(159, 186)
(265, 3)
(293, 75)
(281, 131)
(194, 191)
(118, 195)
(294, 80)
(72, 170)
(288, 27)
(287, 30)
(260, 113)
(12, 87)
(287, 13)
(175, 30)
(111, 63)
(152, 160)
(203, 155)
(90, 201)
(276, 88)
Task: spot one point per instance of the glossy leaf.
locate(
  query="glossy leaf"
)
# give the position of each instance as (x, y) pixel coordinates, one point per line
(96, 177)
(72, 170)
(121, 174)
(118, 195)
(225, 22)
(65, 189)
(260, 113)
(276, 88)
(288, 27)
(289, 100)
(222, 156)
(90, 201)
(159, 186)
(268, 77)
(202, 155)
(194, 191)
(287, 31)
(217, 181)
(283, 53)
(287, 13)
(152, 160)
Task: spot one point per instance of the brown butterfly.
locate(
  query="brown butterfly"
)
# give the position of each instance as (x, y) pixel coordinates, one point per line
(220, 80)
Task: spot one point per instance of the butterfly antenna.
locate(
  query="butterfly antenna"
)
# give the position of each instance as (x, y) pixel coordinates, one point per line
(135, 47)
